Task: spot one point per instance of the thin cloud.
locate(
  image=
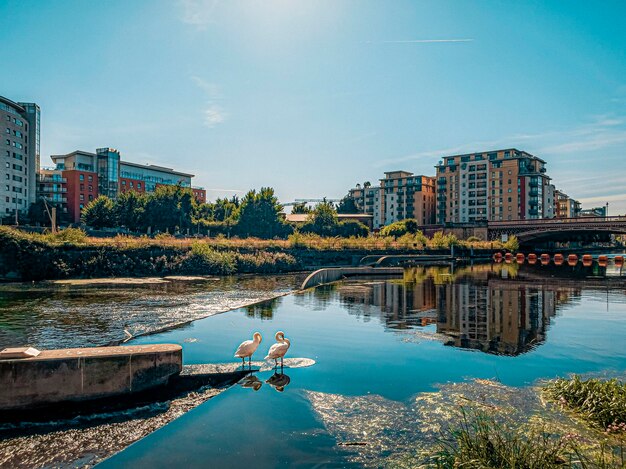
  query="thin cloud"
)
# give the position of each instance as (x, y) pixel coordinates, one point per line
(419, 41)
(198, 13)
(213, 115)
(211, 89)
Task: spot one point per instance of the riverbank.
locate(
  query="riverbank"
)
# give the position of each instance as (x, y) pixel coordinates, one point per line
(26, 256)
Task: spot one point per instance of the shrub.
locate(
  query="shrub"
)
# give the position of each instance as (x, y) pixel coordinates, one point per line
(69, 235)
(203, 259)
(350, 228)
(400, 228)
(442, 241)
(512, 244)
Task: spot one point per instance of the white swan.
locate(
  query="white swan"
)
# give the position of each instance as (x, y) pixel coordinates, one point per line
(248, 347)
(279, 349)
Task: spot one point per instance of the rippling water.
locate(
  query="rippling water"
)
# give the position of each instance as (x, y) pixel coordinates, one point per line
(48, 315)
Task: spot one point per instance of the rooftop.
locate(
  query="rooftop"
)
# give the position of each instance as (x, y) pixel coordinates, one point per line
(522, 154)
(13, 104)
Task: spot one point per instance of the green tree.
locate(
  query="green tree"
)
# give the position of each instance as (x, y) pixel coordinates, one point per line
(37, 213)
(99, 213)
(300, 208)
(260, 215)
(170, 208)
(323, 220)
(347, 205)
(130, 209)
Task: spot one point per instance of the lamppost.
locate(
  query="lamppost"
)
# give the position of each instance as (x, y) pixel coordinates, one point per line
(606, 211)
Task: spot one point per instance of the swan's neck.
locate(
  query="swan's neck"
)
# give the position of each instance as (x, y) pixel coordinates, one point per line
(286, 340)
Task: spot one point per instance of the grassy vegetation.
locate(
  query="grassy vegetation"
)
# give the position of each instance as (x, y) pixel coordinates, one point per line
(491, 439)
(297, 240)
(72, 253)
(483, 440)
(600, 402)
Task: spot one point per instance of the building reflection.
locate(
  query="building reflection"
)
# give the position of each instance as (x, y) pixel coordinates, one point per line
(485, 307)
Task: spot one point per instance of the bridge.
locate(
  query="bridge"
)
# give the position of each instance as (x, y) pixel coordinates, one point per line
(558, 229)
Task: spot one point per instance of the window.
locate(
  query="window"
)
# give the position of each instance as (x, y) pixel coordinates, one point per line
(138, 185)
(90, 178)
(123, 183)
(81, 177)
(90, 189)
(82, 197)
(81, 206)
(90, 197)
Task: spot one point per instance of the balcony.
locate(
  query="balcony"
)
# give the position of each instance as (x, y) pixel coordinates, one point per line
(53, 189)
(53, 180)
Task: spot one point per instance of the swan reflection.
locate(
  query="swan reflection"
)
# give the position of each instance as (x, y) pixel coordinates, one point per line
(251, 382)
(278, 381)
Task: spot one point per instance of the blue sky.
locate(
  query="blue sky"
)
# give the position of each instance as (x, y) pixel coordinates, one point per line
(312, 97)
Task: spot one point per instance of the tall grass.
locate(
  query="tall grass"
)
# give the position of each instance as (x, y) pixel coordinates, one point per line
(601, 402)
(481, 441)
(485, 440)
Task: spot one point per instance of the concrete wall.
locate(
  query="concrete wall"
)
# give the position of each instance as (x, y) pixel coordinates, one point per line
(322, 276)
(83, 374)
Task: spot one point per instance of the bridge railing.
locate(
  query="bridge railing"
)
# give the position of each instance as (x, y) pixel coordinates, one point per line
(552, 221)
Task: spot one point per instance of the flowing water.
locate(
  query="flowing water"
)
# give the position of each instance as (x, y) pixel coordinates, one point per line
(391, 360)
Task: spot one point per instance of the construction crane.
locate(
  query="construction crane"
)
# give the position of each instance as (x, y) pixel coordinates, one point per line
(310, 201)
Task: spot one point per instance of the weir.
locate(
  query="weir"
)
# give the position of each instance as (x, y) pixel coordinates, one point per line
(329, 275)
(83, 374)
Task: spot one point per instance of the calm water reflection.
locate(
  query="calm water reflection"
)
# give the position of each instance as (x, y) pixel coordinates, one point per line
(496, 308)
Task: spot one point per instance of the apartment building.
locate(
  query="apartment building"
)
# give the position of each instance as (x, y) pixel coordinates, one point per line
(19, 156)
(400, 195)
(368, 200)
(493, 186)
(566, 207)
(406, 195)
(79, 177)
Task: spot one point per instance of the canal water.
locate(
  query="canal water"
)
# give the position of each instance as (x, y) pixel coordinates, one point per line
(392, 358)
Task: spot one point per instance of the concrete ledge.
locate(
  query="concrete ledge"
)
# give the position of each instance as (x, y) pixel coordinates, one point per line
(323, 276)
(57, 376)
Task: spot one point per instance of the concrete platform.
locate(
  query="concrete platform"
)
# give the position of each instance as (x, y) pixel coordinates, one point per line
(82, 374)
